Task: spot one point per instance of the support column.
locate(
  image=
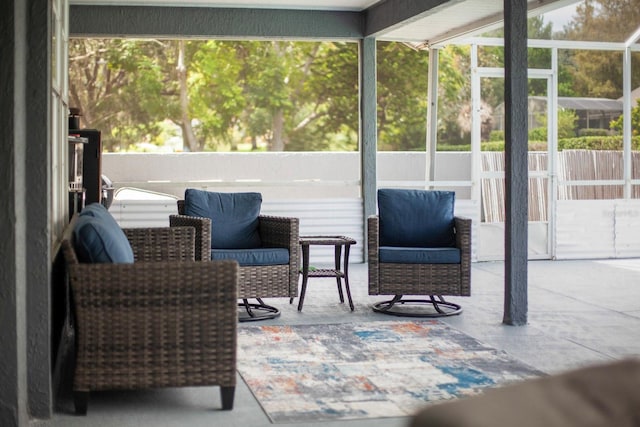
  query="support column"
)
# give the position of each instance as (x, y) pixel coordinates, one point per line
(432, 117)
(516, 162)
(626, 122)
(368, 128)
(37, 192)
(13, 343)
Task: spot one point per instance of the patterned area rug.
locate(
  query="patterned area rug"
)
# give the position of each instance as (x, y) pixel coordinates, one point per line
(368, 370)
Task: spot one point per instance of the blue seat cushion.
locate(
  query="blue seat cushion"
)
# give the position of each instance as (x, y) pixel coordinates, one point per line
(416, 218)
(419, 255)
(234, 217)
(97, 237)
(253, 257)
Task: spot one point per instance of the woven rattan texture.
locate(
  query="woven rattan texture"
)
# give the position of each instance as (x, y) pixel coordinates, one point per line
(161, 244)
(420, 279)
(266, 281)
(161, 323)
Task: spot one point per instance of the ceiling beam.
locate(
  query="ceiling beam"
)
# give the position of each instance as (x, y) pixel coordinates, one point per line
(238, 23)
(391, 14)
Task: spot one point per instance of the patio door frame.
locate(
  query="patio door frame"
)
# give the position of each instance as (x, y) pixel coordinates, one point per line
(551, 76)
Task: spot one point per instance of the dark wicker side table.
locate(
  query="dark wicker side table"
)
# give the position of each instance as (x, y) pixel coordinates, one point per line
(340, 274)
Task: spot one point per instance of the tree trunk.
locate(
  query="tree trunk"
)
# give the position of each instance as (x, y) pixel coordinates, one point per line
(277, 141)
(188, 137)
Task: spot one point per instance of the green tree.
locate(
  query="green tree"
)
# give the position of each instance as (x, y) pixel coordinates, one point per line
(635, 121)
(301, 94)
(599, 73)
(454, 91)
(330, 120)
(402, 96)
(493, 56)
(118, 86)
(216, 97)
(567, 122)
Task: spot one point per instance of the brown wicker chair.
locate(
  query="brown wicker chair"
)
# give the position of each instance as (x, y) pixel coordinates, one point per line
(163, 321)
(422, 279)
(255, 282)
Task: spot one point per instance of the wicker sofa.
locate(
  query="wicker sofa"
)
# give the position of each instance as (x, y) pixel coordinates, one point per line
(255, 281)
(163, 320)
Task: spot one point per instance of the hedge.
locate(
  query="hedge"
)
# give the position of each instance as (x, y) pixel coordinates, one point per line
(577, 143)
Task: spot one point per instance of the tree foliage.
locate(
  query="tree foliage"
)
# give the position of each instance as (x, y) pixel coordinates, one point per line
(635, 121)
(599, 73)
(278, 94)
(303, 96)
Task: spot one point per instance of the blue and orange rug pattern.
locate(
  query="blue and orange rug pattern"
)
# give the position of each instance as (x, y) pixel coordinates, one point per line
(366, 370)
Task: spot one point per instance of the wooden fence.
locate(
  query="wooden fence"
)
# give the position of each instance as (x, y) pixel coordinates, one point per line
(573, 165)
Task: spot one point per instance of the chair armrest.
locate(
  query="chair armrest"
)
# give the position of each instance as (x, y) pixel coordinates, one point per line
(283, 232)
(279, 232)
(203, 233)
(373, 245)
(463, 234)
(162, 243)
(373, 237)
(463, 242)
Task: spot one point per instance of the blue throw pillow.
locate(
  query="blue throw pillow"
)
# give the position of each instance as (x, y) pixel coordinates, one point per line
(98, 238)
(234, 217)
(416, 218)
(97, 210)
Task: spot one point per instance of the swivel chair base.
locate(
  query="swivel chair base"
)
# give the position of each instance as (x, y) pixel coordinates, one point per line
(437, 307)
(257, 311)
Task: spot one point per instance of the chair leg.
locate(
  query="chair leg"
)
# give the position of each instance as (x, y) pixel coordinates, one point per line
(227, 394)
(442, 308)
(81, 402)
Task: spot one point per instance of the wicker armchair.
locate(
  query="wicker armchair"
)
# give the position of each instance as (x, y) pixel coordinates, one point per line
(423, 271)
(255, 281)
(163, 321)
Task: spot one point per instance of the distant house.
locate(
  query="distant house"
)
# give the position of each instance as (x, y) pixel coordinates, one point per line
(593, 113)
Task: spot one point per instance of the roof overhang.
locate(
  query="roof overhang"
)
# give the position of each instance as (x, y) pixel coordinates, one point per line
(421, 23)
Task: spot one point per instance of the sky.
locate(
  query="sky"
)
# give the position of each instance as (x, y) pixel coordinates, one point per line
(560, 17)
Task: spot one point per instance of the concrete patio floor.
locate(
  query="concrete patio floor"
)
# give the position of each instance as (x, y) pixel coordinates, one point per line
(580, 313)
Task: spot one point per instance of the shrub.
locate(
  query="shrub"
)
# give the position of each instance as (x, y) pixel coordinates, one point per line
(593, 132)
(496, 135)
(538, 134)
(579, 143)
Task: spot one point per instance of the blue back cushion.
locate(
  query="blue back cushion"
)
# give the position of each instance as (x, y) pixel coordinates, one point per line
(98, 238)
(416, 218)
(234, 217)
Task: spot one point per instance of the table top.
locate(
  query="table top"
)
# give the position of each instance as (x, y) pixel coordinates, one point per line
(326, 240)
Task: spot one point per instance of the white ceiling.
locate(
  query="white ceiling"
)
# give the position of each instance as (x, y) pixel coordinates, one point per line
(452, 19)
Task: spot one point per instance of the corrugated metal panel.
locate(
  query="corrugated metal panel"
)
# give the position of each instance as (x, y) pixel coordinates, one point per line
(340, 217)
(143, 213)
(585, 229)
